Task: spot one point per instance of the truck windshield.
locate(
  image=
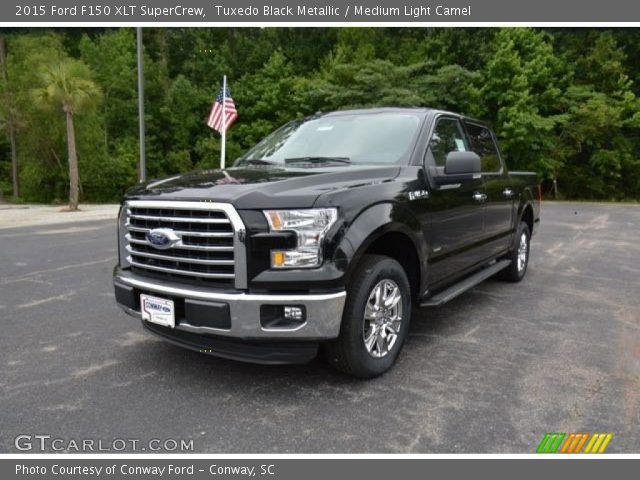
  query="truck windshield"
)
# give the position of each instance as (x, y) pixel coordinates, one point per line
(338, 140)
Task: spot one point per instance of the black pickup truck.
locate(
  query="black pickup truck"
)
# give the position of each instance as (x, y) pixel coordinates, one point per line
(325, 235)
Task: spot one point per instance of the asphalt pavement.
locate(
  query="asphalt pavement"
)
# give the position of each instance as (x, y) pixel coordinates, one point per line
(492, 371)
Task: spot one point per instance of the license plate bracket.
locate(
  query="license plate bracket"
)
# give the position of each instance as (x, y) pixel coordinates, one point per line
(160, 311)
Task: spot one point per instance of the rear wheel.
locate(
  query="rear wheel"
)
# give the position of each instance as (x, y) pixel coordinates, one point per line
(519, 255)
(375, 320)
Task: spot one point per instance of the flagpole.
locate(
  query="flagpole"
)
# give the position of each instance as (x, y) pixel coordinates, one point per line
(224, 121)
(142, 165)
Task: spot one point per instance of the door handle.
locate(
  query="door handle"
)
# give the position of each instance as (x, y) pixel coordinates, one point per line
(479, 197)
(508, 192)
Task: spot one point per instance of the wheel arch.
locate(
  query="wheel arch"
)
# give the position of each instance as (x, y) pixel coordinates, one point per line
(527, 216)
(379, 230)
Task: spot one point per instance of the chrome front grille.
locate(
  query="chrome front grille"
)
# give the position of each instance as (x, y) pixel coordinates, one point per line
(208, 246)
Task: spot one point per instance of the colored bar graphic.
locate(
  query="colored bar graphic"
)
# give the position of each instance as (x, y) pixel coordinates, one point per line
(590, 444)
(598, 443)
(574, 442)
(543, 443)
(581, 442)
(606, 441)
(596, 446)
(557, 443)
(569, 443)
(550, 443)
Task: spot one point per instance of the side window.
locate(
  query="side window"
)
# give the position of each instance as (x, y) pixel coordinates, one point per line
(483, 144)
(447, 137)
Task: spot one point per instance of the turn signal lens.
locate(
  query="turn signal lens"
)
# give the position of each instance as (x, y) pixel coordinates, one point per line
(275, 220)
(277, 258)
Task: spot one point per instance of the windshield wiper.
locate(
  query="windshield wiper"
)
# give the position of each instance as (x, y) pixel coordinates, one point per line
(316, 160)
(256, 161)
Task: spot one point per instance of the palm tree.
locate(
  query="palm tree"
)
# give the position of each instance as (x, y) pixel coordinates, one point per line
(68, 84)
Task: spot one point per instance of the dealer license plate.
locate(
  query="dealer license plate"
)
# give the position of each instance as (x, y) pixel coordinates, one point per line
(158, 310)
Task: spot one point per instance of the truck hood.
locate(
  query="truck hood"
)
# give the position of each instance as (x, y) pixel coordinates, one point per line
(260, 187)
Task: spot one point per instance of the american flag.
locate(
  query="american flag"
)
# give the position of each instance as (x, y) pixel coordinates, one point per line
(215, 117)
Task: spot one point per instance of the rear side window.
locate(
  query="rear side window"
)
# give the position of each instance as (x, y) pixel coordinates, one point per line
(483, 144)
(447, 137)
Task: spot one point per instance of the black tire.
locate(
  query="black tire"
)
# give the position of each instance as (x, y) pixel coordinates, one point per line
(516, 271)
(348, 352)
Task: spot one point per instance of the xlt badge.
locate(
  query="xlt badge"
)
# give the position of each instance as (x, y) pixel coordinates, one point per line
(418, 194)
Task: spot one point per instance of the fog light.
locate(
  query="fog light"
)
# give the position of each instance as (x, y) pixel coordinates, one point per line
(282, 316)
(293, 313)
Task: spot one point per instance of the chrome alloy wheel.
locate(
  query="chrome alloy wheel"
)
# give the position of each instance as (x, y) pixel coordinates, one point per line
(522, 252)
(382, 318)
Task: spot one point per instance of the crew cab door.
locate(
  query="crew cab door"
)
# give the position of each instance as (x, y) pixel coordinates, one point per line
(457, 209)
(499, 189)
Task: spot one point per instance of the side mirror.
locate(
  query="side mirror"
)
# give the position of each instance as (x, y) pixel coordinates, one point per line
(462, 162)
(459, 167)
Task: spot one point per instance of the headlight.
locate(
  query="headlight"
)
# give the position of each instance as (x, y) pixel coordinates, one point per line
(310, 226)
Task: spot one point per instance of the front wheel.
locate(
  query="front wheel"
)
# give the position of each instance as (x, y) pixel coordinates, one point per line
(375, 320)
(519, 255)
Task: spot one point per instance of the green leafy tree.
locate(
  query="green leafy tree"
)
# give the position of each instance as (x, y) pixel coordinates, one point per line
(521, 92)
(111, 57)
(264, 101)
(39, 143)
(68, 84)
(8, 115)
(564, 102)
(601, 137)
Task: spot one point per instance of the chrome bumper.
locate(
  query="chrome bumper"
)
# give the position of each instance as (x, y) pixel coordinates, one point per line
(323, 311)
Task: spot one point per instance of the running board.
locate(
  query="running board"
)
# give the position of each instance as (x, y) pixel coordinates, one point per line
(464, 285)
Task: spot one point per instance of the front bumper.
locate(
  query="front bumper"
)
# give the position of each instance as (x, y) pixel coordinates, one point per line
(244, 314)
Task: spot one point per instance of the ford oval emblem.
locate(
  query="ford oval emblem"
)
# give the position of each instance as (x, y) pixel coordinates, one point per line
(162, 238)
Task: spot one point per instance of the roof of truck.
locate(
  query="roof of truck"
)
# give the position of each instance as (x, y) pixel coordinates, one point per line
(378, 110)
(419, 110)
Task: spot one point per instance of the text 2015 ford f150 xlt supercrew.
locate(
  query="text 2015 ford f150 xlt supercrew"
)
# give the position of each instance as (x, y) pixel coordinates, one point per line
(325, 234)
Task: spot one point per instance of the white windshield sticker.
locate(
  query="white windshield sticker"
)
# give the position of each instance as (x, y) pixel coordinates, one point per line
(460, 145)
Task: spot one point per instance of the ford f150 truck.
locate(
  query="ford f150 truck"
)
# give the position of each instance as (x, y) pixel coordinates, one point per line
(325, 235)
